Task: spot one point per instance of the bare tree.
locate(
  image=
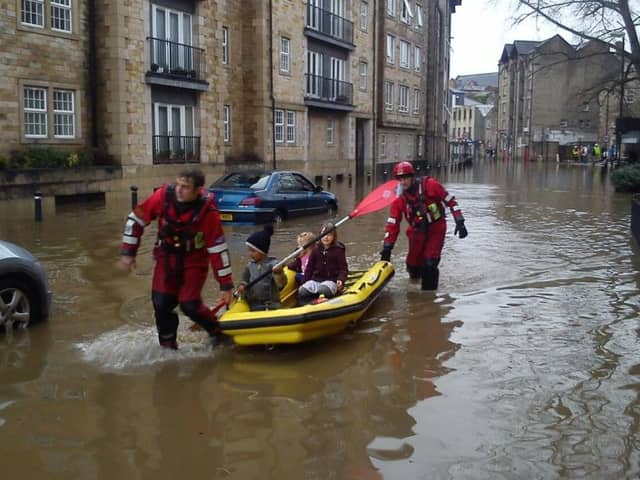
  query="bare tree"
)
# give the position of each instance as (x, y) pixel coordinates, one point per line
(603, 20)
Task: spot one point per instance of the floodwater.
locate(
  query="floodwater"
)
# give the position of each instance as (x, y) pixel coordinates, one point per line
(523, 365)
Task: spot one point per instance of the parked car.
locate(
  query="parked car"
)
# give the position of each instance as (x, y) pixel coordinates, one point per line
(267, 196)
(24, 291)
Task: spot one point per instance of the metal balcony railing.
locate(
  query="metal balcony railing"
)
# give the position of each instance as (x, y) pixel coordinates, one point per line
(329, 89)
(177, 60)
(330, 24)
(175, 149)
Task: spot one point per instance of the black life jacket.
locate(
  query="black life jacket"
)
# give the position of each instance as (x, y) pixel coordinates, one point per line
(178, 236)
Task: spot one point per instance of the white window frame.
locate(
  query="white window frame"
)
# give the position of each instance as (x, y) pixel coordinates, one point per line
(364, 73)
(416, 101)
(391, 8)
(38, 108)
(60, 114)
(364, 16)
(36, 12)
(184, 124)
(405, 62)
(391, 49)
(405, 13)
(388, 96)
(225, 45)
(403, 99)
(419, 17)
(285, 55)
(330, 131)
(420, 145)
(61, 11)
(291, 126)
(226, 123)
(278, 126)
(417, 58)
(383, 145)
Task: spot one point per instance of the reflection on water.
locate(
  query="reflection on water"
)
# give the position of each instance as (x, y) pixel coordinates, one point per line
(523, 365)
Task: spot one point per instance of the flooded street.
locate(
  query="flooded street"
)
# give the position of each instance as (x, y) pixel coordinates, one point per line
(523, 365)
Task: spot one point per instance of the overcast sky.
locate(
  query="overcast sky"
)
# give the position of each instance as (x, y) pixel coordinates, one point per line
(480, 29)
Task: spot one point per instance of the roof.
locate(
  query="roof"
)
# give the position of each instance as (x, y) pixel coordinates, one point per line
(478, 81)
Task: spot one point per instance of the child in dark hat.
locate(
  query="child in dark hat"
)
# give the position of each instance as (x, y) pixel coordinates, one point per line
(265, 294)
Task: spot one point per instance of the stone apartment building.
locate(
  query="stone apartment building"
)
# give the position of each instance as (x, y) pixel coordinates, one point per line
(279, 83)
(548, 95)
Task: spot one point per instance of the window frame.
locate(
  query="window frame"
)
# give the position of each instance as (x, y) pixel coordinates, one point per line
(416, 101)
(391, 8)
(383, 145)
(226, 123)
(44, 112)
(405, 12)
(388, 96)
(405, 57)
(363, 71)
(285, 56)
(43, 11)
(225, 45)
(59, 5)
(403, 99)
(278, 126)
(364, 16)
(330, 131)
(391, 49)
(64, 113)
(417, 53)
(290, 126)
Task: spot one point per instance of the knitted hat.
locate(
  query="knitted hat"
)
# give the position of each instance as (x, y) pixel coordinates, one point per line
(261, 241)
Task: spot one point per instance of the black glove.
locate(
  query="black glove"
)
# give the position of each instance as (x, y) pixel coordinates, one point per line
(461, 230)
(385, 253)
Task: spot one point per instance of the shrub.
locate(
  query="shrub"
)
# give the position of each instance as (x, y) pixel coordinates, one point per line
(46, 157)
(627, 178)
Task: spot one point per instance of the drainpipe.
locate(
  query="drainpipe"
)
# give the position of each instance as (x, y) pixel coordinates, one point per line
(273, 98)
(374, 88)
(93, 80)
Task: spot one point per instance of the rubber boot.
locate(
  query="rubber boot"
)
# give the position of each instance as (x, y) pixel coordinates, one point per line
(414, 272)
(430, 275)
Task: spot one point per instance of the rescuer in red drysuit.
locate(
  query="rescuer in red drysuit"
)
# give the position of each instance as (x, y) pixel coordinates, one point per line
(422, 202)
(190, 237)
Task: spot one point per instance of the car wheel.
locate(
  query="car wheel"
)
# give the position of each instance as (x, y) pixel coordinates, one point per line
(18, 303)
(279, 216)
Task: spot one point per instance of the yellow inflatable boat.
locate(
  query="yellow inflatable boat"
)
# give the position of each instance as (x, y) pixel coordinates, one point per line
(292, 324)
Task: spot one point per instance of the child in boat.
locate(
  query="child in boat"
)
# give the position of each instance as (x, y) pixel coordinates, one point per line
(299, 265)
(327, 268)
(265, 294)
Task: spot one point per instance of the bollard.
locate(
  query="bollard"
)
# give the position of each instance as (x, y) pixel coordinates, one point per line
(328, 182)
(37, 198)
(350, 180)
(384, 175)
(369, 178)
(134, 196)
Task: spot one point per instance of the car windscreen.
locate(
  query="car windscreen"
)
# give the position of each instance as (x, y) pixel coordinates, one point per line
(253, 180)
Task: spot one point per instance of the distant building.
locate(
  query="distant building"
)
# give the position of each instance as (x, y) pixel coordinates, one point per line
(548, 95)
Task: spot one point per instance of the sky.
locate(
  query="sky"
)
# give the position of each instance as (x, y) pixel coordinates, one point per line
(481, 28)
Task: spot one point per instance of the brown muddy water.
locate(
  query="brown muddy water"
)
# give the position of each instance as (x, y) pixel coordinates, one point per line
(523, 365)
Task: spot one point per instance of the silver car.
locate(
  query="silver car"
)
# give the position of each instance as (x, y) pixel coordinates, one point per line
(24, 291)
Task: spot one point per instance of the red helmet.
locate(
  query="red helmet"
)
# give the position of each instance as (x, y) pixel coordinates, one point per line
(403, 168)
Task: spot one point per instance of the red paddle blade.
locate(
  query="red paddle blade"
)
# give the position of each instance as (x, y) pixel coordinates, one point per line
(378, 199)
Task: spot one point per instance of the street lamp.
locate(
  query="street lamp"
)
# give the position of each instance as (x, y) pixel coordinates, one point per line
(620, 112)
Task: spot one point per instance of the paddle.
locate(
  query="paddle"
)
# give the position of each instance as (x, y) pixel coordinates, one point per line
(378, 199)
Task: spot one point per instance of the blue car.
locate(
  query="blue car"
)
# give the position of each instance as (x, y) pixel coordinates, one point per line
(258, 196)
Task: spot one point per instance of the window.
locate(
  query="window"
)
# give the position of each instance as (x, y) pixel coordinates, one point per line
(225, 45)
(363, 76)
(419, 21)
(32, 14)
(61, 15)
(391, 47)
(285, 45)
(391, 8)
(314, 73)
(330, 131)
(63, 114)
(420, 145)
(417, 58)
(564, 123)
(388, 96)
(35, 112)
(406, 14)
(364, 16)
(278, 121)
(383, 145)
(403, 99)
(174, 137)
(404, 54)
(226, 123)
(291, 127)
(416, 101)
(42, 104)
(172, 34)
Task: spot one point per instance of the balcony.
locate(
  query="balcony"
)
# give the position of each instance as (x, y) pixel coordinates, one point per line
(175, 149)
(176, 65)
(329, 27)
(325, 92)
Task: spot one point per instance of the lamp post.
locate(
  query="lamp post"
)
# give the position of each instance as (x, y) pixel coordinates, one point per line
(621, 106)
